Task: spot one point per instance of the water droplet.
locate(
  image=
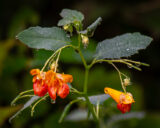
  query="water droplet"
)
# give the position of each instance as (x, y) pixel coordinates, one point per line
(53, 101)
(127, 49)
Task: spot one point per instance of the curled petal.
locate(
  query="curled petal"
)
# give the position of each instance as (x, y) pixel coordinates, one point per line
(63, 91)
(35, 72)
(65, 77)
(124, 107)
(34, 78)
(39, 88)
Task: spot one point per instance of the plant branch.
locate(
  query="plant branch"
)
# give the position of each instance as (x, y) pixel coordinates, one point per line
(43, 98)
(119, 61)
(19, 96)
(124, 88)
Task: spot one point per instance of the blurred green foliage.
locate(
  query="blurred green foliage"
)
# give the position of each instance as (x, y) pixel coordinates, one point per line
(118, 17)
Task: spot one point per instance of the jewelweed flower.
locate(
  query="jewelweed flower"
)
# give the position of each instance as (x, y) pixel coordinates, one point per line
(57, 84)
(39, 86)
(124, 100)
(51, 82)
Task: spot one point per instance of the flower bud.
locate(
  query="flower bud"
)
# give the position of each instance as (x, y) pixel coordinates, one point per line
(85, 40)
(53, 66)
(68, 28)
(126, 82)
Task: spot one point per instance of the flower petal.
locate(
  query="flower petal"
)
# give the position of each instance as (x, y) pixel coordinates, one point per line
(35, 72)
(114, 94)
(52, 92)
(124, 107)
(63, 91)
(39, 88)
(65, 77)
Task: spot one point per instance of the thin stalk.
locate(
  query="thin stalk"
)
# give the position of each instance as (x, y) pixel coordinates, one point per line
(32, 111)
(124, 88)
(136, 62)
(57, 60)
(76, 91)
(91, 108)
(24, 96)
(19, 96)
(53, 55)
(119, 61)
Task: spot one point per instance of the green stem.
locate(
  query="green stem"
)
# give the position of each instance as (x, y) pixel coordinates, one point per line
(87, 68)
(43, 98)
(79, 40)
(86, 80)
(19, 96)
(82, 57)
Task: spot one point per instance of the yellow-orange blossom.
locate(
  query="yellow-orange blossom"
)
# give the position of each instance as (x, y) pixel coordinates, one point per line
(124, 100)
(51, 82)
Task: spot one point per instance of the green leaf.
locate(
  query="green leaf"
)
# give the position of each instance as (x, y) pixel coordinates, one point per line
(122, 46)
(78, 115)
(44, 38)
(127, 116)
(90, 29)
(70, 16)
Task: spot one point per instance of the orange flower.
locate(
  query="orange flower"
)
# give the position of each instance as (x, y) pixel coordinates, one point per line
(124, 100)
(57, 84)
(39, 86)
(51, 82)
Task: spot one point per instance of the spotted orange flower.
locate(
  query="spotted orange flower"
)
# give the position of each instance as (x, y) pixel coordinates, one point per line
(51, 82)
(124, 100)
(57, 84)
(39, 86)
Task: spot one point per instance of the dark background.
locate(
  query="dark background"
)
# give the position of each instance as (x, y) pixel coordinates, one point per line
(119, 16)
